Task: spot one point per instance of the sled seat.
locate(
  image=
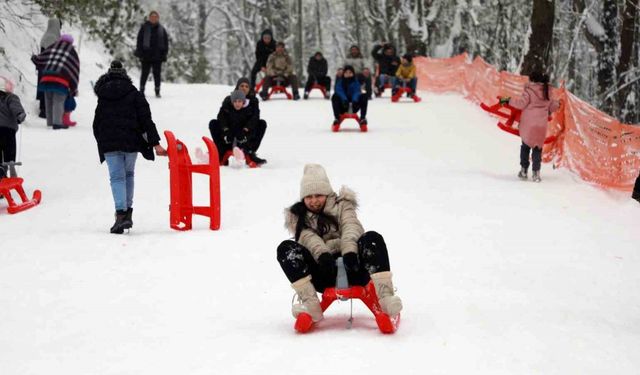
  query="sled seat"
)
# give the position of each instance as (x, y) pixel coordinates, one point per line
(404, 90)
(336, 127)
(15, 183)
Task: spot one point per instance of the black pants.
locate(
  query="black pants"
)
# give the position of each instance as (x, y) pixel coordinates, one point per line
(285, 81)
(338, 106)
(147, 66)
(252, 145)
(324, 81)
(536, 156)
(7, 147)
(297, 262)
(366, 81)
(254, 72)
(636, 190)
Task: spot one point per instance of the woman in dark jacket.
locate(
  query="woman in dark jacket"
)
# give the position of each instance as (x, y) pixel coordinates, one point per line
(265, 47)
(349, 95)
(123, 127)
(317, 71)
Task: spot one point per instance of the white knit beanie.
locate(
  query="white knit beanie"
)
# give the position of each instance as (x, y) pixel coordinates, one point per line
(314, 181)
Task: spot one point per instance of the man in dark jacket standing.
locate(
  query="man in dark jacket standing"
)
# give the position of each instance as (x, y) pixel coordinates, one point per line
(152, 49)
(317, 71)
(265, 47)
(387, 62)
(636, 190)
(123, 127)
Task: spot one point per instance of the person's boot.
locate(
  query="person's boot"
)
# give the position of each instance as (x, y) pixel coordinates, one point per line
(296, 96)
(522, 174)
(128, 219)
(158, 92)
(306, 95)
(389, 302)
(536, 176)
(117, 226)
(66, 119)
(56, 126)
(308, 301)
(363, 121)
(141, 90)
(258, 160)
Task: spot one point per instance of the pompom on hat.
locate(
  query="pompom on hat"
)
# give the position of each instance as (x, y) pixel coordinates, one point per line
(67, 38)
(314, 181)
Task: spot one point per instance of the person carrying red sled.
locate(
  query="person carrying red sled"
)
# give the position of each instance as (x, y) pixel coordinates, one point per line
(348, 97)
(536, 106)
(325, 226)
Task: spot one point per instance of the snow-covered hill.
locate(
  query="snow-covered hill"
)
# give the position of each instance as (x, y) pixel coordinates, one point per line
(497, 276)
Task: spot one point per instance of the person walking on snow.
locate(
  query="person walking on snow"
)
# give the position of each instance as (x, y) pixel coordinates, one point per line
(60, 68)
(12, 114)
(152, 48)
(123, 127)
(536, 106)
(264, 48)
(348, 96)
(325, 226)
(280, 66)
(51, 35)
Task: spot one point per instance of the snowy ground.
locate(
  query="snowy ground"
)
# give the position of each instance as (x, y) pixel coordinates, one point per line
(497, 276)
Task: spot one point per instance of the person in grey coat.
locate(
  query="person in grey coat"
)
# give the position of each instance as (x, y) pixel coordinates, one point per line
(11, 115)
(49, 38)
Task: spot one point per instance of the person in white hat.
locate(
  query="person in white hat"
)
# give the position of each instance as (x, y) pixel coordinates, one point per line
(325, 226)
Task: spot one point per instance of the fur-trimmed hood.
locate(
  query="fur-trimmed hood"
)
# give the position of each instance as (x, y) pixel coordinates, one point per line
(331, 207)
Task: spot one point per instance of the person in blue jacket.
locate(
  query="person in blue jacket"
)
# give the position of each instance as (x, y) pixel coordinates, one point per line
(348, 96)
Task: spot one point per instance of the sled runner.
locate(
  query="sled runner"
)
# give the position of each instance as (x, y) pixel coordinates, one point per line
(279, 87)
(512, 116)
(405, 90)
(15, 183)
(342, 291)
(344, 116)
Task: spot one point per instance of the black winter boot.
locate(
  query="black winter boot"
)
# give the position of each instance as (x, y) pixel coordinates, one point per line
(128, 221)
(258, 160)
(158, 92)
(117, 227)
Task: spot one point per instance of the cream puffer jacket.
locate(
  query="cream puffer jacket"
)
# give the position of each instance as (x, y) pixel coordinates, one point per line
(342, 240)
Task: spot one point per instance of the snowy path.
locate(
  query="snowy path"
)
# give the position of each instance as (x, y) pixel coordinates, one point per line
(497, 276)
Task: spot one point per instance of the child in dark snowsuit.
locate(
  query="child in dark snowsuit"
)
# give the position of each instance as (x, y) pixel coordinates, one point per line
(348, 96)
(11, 115)
(317, 71)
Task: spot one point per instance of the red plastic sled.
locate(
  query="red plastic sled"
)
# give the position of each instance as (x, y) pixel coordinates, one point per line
(322, 89)
(15, 183)
(367, 295)
(512, 116)
(250, 163)
(336, 127)
(259, 85)
(404, 90)
(279, 89)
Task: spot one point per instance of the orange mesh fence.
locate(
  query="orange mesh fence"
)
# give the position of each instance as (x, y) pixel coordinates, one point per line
(590, 143)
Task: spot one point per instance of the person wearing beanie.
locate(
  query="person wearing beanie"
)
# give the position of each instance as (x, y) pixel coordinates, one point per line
(152, 48)
(325, 227)
(265, 47)
(60, 67)
(12, 114)
(360, 66)
(387, 63)
(280, 68)
(317, 71)
(348, 96)
(238, 124)
(123, 127)
(51, 35)
(406, 75)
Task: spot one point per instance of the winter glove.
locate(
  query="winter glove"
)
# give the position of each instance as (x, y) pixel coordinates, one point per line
(505, 100)
(327, 266)
(227, 138)
(356, 274)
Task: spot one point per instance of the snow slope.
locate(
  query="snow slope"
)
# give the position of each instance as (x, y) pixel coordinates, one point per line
(497, 276)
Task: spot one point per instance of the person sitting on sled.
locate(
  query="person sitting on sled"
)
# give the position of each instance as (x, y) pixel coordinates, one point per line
(238, 124)
(406, 75)
(325, 226)
(536, 106)
(348, 96)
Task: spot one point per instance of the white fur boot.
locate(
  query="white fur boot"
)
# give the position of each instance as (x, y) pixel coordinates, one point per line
(308, 301)
(390, 303)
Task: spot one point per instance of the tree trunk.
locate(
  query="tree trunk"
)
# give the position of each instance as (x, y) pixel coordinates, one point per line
(541, 38)
(607, 58)
(299, 43)
(627, 42)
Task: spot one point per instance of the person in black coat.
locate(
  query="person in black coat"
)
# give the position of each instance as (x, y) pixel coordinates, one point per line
(636, 190)
(238, 124)
(388, 62)
(122, 126)
(317, 71)
(152, 48)
(265, 47)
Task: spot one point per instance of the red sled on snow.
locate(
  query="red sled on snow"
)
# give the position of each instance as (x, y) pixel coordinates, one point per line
(336, 127)
(367, 295)
(322, 89)
(259, 85)
(15, 183)
(512, 115)
(405, 90)
(239, 155)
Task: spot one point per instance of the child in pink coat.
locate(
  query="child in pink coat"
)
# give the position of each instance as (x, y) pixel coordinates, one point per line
(536, 106)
